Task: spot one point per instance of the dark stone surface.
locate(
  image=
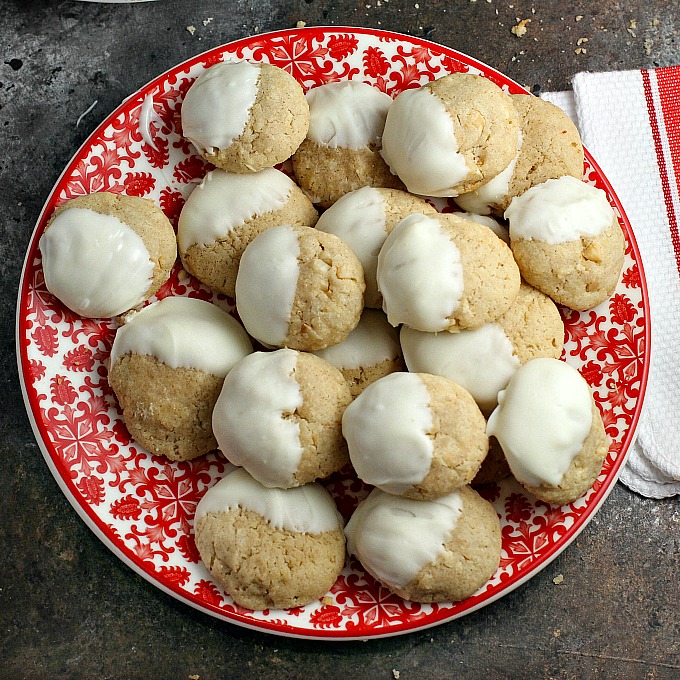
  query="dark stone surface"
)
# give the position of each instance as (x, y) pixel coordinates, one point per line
(69, 607)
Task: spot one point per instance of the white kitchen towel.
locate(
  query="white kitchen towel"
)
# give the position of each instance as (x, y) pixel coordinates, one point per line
(630, 122)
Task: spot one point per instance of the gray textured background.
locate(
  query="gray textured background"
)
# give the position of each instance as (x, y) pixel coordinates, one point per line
(68, 607)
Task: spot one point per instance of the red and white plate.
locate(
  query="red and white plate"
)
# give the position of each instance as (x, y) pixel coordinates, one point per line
(141, 506)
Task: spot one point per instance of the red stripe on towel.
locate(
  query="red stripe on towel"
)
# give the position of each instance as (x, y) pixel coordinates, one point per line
(673, 108)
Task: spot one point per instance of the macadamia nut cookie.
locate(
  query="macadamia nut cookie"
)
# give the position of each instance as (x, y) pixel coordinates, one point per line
(445, 273)
(245, 117)
(166, 368)
(342, 149)
(363, 219)
(549, 147)
(270, 548)
(299, 287)
(483, 360)
(370, 352)
(103, 254)
(415, 435)
(279, 415)
(550, 430)
(567, 241)
(226, 212)
(451, 135)
(427, 551)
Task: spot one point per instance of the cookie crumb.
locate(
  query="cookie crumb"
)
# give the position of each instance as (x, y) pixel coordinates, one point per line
(327, 600)
(521, 28)
(191, 28)
(558, 579)
(631, 27)
(648, 45)
(579, 17)
(654, 22)
(300, 24)
(580, 50)
(580, 41)
(396, 674)
(194, 677)
(207, 21)
(557, 633)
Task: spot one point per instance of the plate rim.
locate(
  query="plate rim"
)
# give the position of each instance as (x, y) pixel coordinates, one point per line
(264, 626)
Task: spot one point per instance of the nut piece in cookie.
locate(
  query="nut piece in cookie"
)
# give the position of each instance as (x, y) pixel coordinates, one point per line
(245, 117)
(445, 272)
(451, 135)
(270, 548)
(104, 254)
(342, 150)
(166, 368)
(427, 551)
(551, 431)
(567, 241)
(484, 359)
(363, 219)
(226, 212)
(549, 147)
(299, 287)
(415, 435)
(370, 352)
(279, 416)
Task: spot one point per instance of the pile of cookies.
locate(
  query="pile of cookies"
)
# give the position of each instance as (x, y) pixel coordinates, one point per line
(421, 347)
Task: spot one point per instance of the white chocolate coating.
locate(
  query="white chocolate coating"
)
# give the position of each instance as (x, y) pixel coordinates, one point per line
(493, 224)
(480, 360)
(225, 200)
(266, 283)
(307, 509)
(420, 146)
(420, 274)
(349, 115)
(558, 211)
(216, 107)
(542, 419)
(145, 115)
(249, 417)
(358, 219)
(95, 264)
(395, 537)
(184, 332)
(371, 342)
(386, 430)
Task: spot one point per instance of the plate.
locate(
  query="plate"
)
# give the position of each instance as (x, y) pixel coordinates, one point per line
(142, 506)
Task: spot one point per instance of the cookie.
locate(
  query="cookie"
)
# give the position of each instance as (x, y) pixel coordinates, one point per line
(362, 219)
(567, 241)
(415, 435)
(269, 548)
(451, 135)
(166, 368)
(299, 287)
(496, 227)
(342, 150)
(103, 254)
(279, 416)
(549, 147)
(483, 360)
(370, 352)
(226, 212)
(427, 551)
(245, 117)
(551, 431)
(494, 467)
(445, 273)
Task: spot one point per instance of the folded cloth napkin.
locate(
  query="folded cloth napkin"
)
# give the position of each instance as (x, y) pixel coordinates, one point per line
(630, 122)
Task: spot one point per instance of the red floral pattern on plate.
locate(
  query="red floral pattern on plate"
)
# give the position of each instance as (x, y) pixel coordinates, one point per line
(142, 506)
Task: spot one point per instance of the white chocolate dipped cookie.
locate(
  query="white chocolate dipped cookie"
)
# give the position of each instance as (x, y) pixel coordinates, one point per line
(279, 416)
(363, 219)
(551, 431)
(299, 287)
(567, 241)
(166, 368)
(415, 435)
(226, 212)
(103, 254)
(483, 360)
(370, 352)
(342, 150)
(245, 117)
(270, 548)
(451, 135)
(427, 551)
(445, 272)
